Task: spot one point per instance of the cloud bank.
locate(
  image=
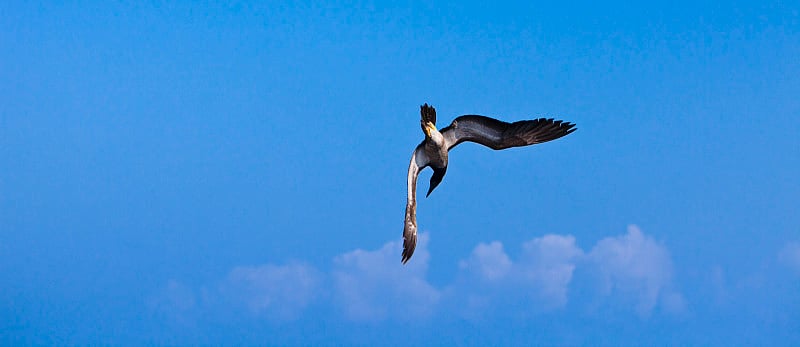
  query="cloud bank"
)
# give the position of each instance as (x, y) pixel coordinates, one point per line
(637, 267)
(540, 277)
(632, 268)
(371, 285)
(280, 291)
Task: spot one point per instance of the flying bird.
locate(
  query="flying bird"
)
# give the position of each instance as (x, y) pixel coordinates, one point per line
(490, 132)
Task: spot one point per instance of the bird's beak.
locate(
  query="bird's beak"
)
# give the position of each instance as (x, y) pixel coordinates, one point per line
(429, 128)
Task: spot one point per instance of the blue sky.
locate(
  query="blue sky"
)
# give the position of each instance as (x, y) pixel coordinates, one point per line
(234, 173)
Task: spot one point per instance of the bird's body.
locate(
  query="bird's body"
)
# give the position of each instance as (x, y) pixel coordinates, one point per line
(434, 151)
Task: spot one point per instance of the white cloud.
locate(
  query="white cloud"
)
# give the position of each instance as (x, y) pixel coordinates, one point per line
(374, 285)
(636, 266)
(632, 265)
(790, 255)
(489, 261)
(543, 272)
(548, 263)
(279, 291)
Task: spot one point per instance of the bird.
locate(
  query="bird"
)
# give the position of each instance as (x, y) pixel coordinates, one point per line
(434, 151)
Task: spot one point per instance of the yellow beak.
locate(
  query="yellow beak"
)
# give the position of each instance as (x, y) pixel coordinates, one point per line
(429, 128)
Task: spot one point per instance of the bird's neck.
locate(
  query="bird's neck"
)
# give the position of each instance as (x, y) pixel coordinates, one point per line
(437, 138)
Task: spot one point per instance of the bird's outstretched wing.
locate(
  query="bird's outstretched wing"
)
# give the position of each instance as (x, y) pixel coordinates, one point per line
(497, 134)
(418, 162)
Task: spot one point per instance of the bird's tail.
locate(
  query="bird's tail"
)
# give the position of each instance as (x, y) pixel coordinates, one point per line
(428, 114)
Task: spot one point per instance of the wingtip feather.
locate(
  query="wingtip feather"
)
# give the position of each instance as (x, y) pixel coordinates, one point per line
(409, 244)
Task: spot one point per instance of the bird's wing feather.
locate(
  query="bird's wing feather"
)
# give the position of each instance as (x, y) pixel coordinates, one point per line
(418, 162)
(497, 134)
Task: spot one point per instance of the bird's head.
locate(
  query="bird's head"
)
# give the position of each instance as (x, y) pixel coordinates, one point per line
(429, 128)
